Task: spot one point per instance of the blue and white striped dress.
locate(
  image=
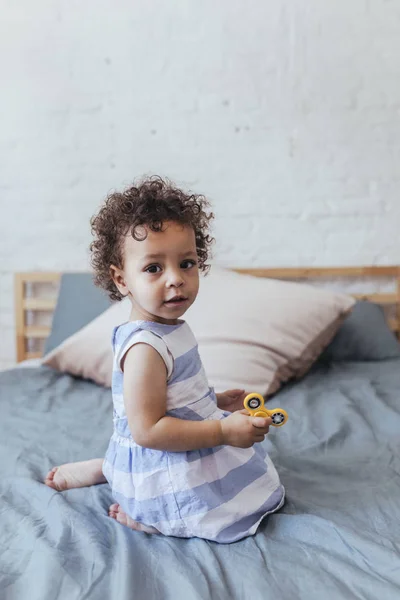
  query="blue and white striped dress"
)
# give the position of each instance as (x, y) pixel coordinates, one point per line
(218, 494)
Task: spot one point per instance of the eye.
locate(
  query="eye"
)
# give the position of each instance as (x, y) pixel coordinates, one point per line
(153, 269)
(188, 264)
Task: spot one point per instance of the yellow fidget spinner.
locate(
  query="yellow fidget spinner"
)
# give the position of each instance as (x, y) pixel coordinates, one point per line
(254, 403)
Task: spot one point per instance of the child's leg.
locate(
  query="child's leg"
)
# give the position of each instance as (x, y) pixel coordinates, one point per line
(75, 475)
(85, 473)
(116, 512)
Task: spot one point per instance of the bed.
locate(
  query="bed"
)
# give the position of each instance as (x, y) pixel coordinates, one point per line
(338, 535)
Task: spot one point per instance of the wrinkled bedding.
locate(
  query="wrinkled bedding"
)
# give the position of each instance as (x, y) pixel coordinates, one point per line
(338, 535)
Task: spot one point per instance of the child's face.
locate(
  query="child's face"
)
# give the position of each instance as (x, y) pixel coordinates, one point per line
(160, 273)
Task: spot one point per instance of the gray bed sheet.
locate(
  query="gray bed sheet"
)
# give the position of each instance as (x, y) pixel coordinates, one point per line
(338, 535)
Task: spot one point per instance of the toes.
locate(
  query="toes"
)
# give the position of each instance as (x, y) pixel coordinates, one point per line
(49, 480)
(50, 474)
(116, 512)
(56, 480)
(113, 511)
(51, 484)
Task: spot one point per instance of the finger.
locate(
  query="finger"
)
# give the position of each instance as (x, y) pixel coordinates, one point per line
(264, 428)
(261, 422)
(234, 393)
(259, 435)
(243, 411)
(263, 431)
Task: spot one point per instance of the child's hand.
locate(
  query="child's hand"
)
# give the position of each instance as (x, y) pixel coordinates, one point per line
(242, 431)
(231, 400)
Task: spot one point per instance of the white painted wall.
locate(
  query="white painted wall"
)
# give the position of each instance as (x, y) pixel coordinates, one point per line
(285, 113)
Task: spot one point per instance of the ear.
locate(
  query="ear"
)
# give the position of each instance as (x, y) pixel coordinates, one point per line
(117, 275)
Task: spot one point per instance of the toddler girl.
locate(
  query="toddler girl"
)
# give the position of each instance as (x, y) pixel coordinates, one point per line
(179, 462)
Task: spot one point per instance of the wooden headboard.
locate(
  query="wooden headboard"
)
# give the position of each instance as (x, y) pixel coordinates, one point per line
(27, 302)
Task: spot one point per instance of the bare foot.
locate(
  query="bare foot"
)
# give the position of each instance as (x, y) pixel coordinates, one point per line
(116, 512)
(76, 475)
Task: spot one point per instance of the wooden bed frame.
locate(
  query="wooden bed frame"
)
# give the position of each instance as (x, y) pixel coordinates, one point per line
(25, 302)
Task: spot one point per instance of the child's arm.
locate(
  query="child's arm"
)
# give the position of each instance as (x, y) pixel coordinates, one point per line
(145, 392)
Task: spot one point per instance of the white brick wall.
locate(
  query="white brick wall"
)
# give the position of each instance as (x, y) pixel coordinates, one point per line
(287, 114)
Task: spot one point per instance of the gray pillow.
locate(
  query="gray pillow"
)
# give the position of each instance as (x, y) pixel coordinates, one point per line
(364, 336)
(79, 302)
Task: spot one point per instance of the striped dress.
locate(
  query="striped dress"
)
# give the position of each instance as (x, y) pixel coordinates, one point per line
(218, 494)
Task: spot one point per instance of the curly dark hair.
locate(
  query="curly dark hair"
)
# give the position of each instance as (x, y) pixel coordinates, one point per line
(149, 202)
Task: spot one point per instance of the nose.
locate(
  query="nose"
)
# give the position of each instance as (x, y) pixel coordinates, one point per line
(174, 278)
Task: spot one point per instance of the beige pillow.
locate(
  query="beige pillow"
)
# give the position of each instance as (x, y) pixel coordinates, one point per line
(88, 353)
(253, 333)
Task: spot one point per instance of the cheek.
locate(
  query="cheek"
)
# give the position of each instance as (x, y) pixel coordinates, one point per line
(152, 288)
(195, 281)
(139, 286)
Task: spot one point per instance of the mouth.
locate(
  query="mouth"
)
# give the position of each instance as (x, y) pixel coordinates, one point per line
(176, 301)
